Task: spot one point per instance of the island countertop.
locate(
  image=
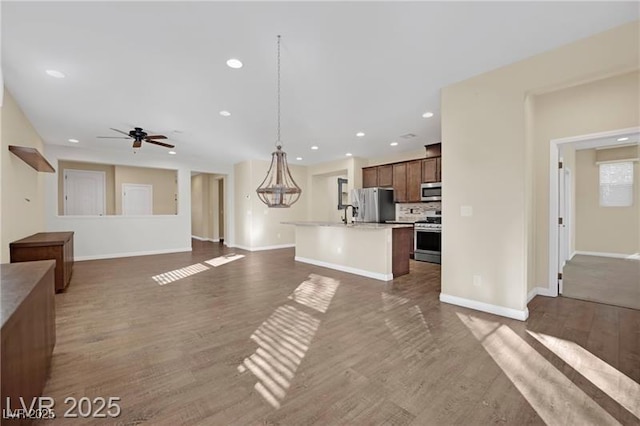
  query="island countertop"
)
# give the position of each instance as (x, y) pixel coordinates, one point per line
(358, 225)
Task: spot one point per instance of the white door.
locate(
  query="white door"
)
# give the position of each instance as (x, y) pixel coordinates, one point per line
(84, 192)
(564, 224)
(137, 199)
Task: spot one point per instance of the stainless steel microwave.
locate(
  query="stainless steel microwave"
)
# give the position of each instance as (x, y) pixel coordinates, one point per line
(431, 191)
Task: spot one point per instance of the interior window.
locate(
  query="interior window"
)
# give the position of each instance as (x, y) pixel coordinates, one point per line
(616, 184)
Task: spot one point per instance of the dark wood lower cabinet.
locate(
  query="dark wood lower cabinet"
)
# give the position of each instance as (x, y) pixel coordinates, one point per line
(401, 239)
(47, 245)
(28, 331)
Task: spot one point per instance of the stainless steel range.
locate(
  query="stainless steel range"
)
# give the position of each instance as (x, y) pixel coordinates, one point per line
(427, 241)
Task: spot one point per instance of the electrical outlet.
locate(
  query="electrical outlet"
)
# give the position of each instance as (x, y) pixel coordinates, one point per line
(477, 280)
(466, 211)
(278, 235)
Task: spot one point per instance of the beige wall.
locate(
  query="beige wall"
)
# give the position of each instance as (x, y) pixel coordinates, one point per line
(165, 187)
(489, 149)
(617, 154)
(396, 157)
(110, 182)
(324, 202)
(199, 195)
(256, 225)
(205, 206)
(22, 192)
(606, 104)
(603, 229)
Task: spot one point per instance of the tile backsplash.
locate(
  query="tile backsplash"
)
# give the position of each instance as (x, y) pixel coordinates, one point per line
(411, 212)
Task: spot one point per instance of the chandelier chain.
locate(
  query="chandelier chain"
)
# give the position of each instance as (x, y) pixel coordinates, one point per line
(278, 143)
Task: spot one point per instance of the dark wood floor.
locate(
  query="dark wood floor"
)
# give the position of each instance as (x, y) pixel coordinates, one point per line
(265, 340)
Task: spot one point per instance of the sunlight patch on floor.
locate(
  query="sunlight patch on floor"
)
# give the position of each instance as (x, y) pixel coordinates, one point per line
(390, 301)
(221, 260)
(555, 398)
(316, 292)
(284, 339)
(178, 274)
(619, 387)
(407, 325)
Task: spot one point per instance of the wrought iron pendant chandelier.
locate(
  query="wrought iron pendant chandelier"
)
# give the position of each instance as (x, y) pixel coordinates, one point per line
(279, 189)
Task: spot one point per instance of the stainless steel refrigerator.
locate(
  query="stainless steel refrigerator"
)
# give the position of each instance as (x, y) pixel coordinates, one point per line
(374, 204)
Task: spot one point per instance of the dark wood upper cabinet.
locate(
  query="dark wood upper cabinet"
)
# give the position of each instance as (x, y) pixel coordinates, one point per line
(414, 179)
(430, 170)
(433, 150)
(400, 182)
(369, 177)
(385, 176)
(405, 177)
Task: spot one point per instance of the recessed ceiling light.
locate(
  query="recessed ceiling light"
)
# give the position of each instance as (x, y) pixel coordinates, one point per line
(622, 139)
(427, 115)
(172, 152)
(74, 140)
(360, 134)
(234, 63)
(298, 158)
(225, 113)
(314, 148)
(348, 154)
(394, 144)
(55, 73)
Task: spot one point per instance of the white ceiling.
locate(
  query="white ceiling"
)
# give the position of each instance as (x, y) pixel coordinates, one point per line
(626, 139)
(346, 67)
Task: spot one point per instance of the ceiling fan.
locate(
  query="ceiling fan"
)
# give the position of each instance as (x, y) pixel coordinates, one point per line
(138, 135)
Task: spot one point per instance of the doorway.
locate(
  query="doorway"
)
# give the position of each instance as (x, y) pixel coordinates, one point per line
(594, 218)
(207, 207)
(84, 192)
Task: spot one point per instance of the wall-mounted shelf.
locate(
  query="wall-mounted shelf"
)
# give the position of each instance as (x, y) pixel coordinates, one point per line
(32, 157)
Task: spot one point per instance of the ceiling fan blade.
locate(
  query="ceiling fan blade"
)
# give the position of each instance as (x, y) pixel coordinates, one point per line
(137, 143)
(156, 137)
(120, 131)
(111, 137)
(159, 143)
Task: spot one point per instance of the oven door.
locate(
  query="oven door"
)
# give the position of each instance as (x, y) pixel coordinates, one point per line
(428, 241)
(431, 192)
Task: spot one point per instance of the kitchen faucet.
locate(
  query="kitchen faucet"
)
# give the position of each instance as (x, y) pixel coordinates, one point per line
(354, 212)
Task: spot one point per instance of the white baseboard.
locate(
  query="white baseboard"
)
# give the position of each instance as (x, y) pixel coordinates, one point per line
(131, 254)
(486, 307)
(572, 255)
(213, 240)
(602, 254)
(544, 291)
(356, 271)
(538, 291)
(281, 246)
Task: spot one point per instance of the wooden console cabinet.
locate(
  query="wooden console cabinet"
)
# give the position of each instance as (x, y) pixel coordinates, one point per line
(27, 312)
(47, 245)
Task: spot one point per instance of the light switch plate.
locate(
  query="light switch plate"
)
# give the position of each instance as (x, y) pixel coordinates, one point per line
(466, 211)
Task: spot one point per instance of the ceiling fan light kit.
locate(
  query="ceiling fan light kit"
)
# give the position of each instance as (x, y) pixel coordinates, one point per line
(278, 189)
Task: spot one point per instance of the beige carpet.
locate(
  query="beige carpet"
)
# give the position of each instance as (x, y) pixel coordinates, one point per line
(603, 279)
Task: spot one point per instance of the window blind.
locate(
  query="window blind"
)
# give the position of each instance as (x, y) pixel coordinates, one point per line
(616, 184)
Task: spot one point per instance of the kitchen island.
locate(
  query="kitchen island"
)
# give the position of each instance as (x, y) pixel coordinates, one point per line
(374, 250)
